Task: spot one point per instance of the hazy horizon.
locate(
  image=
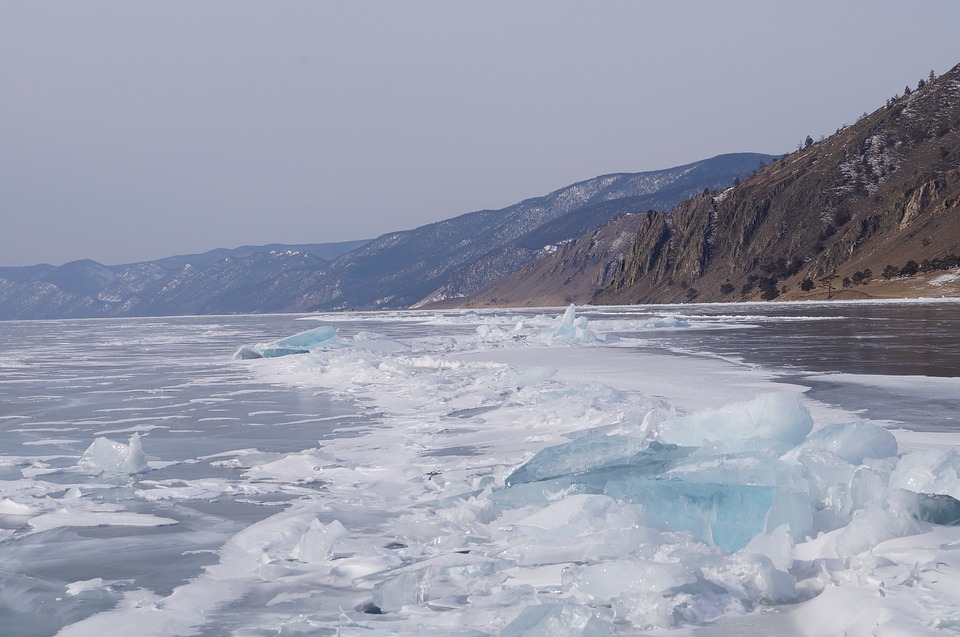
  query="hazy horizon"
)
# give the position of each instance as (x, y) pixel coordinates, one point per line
(138, 131)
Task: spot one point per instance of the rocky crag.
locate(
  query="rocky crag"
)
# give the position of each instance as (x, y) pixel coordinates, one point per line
(878, 200)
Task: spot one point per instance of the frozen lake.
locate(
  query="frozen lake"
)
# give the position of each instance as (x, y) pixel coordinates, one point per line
(393, 480)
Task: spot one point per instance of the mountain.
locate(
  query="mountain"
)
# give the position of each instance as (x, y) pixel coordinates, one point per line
(856, 214)
(452, 258)
(444, 260)
(222, 280)
(571, 272)
(323, 251)
(877, 200)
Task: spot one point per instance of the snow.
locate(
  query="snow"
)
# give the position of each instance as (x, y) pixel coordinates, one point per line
(319, 541)
(73, 518)
(927, 386)
(83, 586)
(662, 518)
(944, 279)
(10, 507)
(528, 475)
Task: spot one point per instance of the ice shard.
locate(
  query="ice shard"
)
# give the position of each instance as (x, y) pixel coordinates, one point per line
(300, 343)
(108, 456)
(727, 515)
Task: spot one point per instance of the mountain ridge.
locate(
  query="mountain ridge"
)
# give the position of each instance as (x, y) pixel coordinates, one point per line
(172, 285)
(881, 192)
(448, 258)
(845, 217)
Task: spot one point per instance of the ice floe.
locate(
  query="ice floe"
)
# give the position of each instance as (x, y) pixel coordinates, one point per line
(300, 343)
(109, 456)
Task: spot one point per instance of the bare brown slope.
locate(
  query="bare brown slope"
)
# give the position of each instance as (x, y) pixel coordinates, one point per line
(881, 192)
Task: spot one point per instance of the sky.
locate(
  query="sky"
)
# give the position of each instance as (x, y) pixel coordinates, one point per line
(133, 130)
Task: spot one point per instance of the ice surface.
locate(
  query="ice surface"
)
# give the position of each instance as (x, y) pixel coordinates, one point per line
(572, 329)
(560, 620)
(247, 353)
(591, 451)
(726, 515)
(432, 578)
(665, 322)
(300, 343)
(309, 339)
(579, 517)
(64, 517)
(9, 507)
(83, 586)
(566, 329)
(509, 474)
(929, 471)
(319, 541)
(872, 525)
(628, 577)
(303, 467)
(777, 545)
(925, 507)
(776, 421)
(108, 456)
(725, 499)
(728, 483)
(854, 442)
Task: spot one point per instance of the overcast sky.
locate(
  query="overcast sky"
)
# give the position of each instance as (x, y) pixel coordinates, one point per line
(134, 130)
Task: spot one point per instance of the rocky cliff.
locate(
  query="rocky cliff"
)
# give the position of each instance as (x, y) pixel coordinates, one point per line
(876, 195)
(570, 272)
(453, 258)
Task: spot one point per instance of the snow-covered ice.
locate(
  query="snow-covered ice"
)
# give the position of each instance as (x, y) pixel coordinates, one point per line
(513, 474)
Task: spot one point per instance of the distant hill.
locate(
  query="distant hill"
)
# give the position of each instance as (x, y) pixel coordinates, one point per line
(853, 215)
(445, 260)
(455, 257)
(323, 251)
(571, 272)
(873, 198)
(222, 280)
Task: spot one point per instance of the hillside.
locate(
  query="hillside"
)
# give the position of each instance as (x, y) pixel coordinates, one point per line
(222, 280)
(873, 198)
(444, 260)
(568, 273)
(457, 256)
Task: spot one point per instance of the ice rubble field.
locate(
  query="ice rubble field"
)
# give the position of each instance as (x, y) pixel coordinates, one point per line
(537, 477)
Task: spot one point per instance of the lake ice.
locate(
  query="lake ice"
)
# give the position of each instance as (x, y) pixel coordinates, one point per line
(589, 471)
